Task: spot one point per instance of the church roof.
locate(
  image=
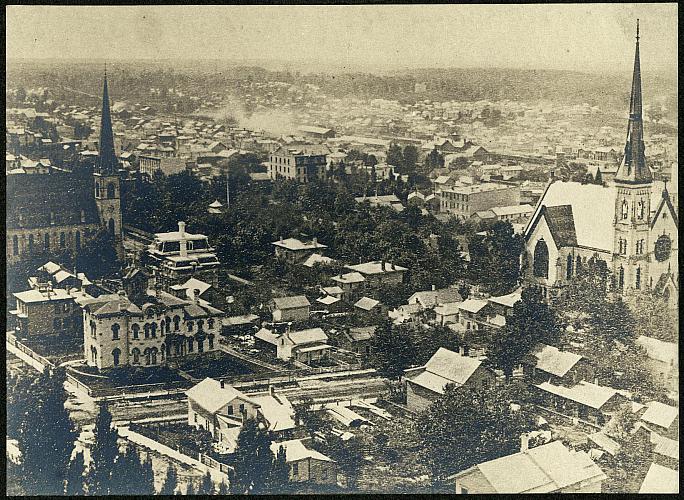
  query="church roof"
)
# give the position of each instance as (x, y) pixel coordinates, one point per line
(32, 198)
(561, 224)
(106, 160)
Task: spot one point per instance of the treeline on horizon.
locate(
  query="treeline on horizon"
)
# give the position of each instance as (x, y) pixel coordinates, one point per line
(608, 90)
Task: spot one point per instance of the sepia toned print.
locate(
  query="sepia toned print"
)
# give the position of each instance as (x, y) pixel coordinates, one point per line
(410, 249)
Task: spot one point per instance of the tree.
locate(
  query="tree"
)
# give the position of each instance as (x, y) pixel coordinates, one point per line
(481, 424)
(46, 437)
(103, 454)
(410, 157)
(253, 459)
(531, 322)
(206, 486)
(74, 479)
(97, 257)
(395, 156)
(310, 419)
(349, 457)
(279, 478)
(393, 350)
(433, 160)
(222, 489)
(190, 491)
(170, 484)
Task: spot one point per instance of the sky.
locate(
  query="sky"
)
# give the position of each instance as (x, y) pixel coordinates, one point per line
(590, 37)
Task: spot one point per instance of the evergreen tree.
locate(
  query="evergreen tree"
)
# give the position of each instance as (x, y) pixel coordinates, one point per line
(393, 350)
(170, 482)
(253, 459)
(598, 178)
(46, 439)
(223, 489)
(146, 475)
(206, 486)
(279, 479)
(103, 454)
(75, 475)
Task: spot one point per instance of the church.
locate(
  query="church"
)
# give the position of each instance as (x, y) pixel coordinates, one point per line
(55, 211)
(631, 224)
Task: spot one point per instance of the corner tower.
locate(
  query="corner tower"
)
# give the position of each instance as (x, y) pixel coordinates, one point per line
(633, 183)
(107, 183)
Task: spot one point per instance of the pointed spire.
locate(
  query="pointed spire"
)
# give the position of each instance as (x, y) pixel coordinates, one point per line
(633, 168)
(106, 160)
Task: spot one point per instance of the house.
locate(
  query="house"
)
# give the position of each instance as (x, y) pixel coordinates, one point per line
(331, 303)
(379, 272)
(296, 308)
(304, 346)
(367, 305)
(46, 311)
(549, 468)
(468, 313)
(357, 340)
(239, 325)
(301, 163)
(317, 258)
(306, 465)
(446, 314)
(587, 401)
(295, 251)
(661, 480)
(349, 283)
(266, 340)
(512, 213)
(431, 298)
(662, 418)
(550, 364)
(662, 360)
(426, 383)
(387, 200)
(464, 201)
(221, 409)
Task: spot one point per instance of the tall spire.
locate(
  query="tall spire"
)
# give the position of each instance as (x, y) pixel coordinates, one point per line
(633, 168)
(106, 160)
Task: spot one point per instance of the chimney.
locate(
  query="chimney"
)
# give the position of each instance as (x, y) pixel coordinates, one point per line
(383, 265)
(270, 390)
(524, 442)
(223, 384)
(434, 288)
(181, 229)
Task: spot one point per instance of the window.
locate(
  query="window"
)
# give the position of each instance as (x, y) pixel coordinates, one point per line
(190, 344)
(111, 191)
(190, 325)
(147, 330)
(115, 331)
(115, 354)
(195, 417)
(640, 209)
(136, 330)
(200, 323)
(210, 323)
(578, 265)
(625, 209)
(295, 469)
(153, 353)
(464, 491)
(568, 270)
(211, 342)
(46, 244)
(148, 356)
(541, 260)
(136, 356)
(62, 240)
(97, 190)
(176, 323)
(621, 279)
(111, 227)
(230, 409)
(153, 330)
(637, 283)
(15, 245)
(30, 243)
(242, 408)
(167, 323)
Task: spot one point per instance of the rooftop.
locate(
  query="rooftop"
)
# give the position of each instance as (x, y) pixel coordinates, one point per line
(585, 393)
(309, 336)
(376, 267)
(660, 414)
(660, 479)
(554, 361)
(212, 397)
(295, 244)
(291, 302)
(296, 451)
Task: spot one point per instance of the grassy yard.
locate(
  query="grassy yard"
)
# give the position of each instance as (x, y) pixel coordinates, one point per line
(56, 349)
(125, 376)
(218, 364)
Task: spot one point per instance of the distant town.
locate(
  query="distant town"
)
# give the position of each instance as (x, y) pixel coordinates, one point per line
(255, 282)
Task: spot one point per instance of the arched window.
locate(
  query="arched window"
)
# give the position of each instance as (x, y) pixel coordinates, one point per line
(148, 356)
(578, 265)
(161, 327)
(640, 209)
(200, 324)
(46, 244)
(111, 190)
(621, 278)
(97, 190)
(136, 356)
(162, 352)
(666, 295)
(176, 348)
(540, 263)
(115, 354)
(111, 227)
(167, 322)
(15, 245)
(568, 269)
(153, 330)
(30, 243)
(190, 325)
(115, 331)
(77, 243)
(211, 341)
(210, 323)
(93, 352)
(637, 281)
(147, 330)
(176, 323)
(136, 330)
(190, 344)
(153, 354)
(625, 209)
(62, 240)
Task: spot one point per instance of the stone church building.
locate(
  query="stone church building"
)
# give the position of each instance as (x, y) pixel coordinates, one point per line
(630, 224)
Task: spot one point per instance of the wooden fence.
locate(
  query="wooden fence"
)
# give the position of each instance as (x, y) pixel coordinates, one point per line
(12, 340)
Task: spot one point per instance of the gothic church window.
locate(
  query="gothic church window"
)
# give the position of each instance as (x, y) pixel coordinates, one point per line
(541, 260)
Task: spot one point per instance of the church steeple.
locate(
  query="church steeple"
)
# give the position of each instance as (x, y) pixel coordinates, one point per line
(106, 161)
(633, 168)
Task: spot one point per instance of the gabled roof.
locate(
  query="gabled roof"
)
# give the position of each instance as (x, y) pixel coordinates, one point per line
(209, 395)
(561, 224)
(472, 305)
(278, 412)
(376, 267)
(317, 258)
(366, 303)
(551, 360)
(328, 300)
(291, 302)
(585, 393)
(660, 414)
(360, 333)
(296, 451)
(665, 202)
(657, 349)
(507, 300)
(543, 469)
(309, 336)
(660, 479)
(444, 367)
(431, 298)
(267, 336)
(349, 278)
(295, 244)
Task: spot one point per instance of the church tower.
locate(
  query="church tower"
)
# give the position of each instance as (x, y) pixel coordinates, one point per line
(107, 184)
(633, 183)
